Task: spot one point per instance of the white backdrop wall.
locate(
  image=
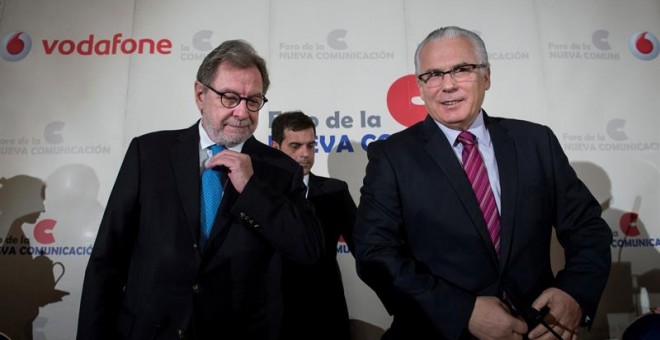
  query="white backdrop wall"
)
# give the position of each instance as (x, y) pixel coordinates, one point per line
(74, 91)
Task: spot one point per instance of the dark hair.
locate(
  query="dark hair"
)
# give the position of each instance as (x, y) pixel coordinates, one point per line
(292, 120)
(238, 53)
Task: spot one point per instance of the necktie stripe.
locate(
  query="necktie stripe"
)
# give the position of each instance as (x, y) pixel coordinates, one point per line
(476, 172)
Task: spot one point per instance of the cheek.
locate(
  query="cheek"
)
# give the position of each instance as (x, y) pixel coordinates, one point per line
(254, 117)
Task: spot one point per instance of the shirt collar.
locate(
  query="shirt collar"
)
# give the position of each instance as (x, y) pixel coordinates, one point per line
(306, 181)
(478, 128)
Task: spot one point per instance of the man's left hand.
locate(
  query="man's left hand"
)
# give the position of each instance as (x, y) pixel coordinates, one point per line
(564, 316)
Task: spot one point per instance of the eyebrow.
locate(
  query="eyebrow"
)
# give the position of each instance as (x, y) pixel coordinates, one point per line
(449, 69)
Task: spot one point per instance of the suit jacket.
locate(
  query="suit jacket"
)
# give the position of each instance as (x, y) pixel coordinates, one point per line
(147, 278)
(315, 302)
(423, 246)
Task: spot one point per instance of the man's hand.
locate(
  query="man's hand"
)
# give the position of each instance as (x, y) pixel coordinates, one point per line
(491, 319)
(239, 167)
(564, 316)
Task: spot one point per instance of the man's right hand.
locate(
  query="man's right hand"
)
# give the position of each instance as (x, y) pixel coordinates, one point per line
(491, 319)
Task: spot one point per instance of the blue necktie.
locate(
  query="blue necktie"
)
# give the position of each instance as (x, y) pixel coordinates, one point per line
(211, 195)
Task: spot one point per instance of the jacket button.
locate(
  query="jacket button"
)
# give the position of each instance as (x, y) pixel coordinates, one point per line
(180, 333)
(195, 246)
(196, 288)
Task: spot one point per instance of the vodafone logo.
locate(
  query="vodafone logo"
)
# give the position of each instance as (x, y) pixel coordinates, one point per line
(118, 44)
(404, 102)
(15, 46)
(644, 45)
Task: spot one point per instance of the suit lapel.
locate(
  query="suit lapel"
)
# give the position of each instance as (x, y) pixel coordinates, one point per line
(185, 162)
(442, 153)
(507, 160)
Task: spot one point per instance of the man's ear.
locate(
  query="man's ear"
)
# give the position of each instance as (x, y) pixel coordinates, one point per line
(199, 95)
(275, 144)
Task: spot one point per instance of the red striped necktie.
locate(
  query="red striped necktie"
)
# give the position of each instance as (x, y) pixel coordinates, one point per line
(476, 172)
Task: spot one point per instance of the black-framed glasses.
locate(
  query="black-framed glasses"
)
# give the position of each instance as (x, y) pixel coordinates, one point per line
(231, 100)
(459, 74)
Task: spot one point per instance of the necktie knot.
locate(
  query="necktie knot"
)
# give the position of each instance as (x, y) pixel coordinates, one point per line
(466, 138)
(215, 148)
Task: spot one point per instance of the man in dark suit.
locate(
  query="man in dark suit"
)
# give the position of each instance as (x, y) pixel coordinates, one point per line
(152, 273)
(422, 241)
(316, 306)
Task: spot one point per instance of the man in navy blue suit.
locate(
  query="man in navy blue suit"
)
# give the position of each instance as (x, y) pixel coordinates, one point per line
(422, 242)
(315, 305)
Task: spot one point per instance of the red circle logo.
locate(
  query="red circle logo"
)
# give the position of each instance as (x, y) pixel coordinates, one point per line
(404, 102)
(628, 224)
(15, 46)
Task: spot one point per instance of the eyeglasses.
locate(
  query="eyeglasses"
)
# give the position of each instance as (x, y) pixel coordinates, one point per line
(459, 74)
(231, 100)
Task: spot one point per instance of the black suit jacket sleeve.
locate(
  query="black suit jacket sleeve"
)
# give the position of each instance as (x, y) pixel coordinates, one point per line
(288, 222)
(105, 278)
(385, 258)
(583, 234)
(335, 208)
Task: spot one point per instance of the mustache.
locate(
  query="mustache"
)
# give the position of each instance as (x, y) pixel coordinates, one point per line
(238, 122)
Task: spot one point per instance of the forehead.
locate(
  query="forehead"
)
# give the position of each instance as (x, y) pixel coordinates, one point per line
(301, 136)
(447, 52)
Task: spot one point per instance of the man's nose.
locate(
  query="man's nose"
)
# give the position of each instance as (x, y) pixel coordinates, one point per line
(447, 82)
(241, 111)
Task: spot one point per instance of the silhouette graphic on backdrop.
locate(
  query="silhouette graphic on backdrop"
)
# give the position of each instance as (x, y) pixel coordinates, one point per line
(27, 283)
(617, 305)
(72, 192)
(72, 217)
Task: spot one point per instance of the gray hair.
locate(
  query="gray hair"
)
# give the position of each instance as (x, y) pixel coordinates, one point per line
(238, 53)
(454, 32)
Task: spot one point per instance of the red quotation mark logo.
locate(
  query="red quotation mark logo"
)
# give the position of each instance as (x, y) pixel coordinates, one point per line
(644, 45)
(43, 231)
(628, 224)
(404, 102)
(15, 46)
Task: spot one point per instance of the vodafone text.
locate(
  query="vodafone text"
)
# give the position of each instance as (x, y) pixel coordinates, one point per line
(117, 45)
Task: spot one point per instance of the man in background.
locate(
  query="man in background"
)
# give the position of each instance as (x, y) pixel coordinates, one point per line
(200, 220)
(315, 295)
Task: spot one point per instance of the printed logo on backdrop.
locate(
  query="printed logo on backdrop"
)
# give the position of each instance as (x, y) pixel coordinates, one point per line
(99, 45)
(34, 276)
(200, 45)
(644, 45)
(336, 46)
(404, 105)
(15, 46)
(631, 233)
(404, 102)
(596, 48)
(613, 138)
(342, 123)
(51, 142)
